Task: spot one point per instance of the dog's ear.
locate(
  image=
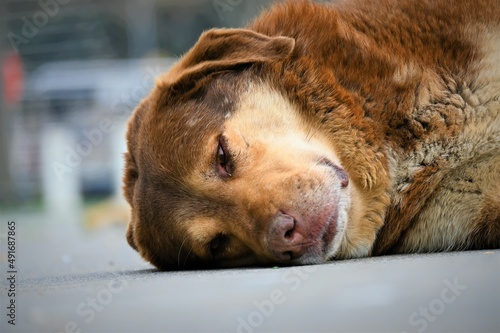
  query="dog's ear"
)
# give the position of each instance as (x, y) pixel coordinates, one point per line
(131, 174)
(219, 50)
(130, 236)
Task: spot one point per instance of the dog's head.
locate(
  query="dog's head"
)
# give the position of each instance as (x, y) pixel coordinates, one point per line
(222, 170)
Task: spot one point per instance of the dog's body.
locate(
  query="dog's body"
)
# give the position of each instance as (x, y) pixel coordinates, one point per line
(323, 132)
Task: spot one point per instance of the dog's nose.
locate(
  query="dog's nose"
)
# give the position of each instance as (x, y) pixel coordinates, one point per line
(285, 241)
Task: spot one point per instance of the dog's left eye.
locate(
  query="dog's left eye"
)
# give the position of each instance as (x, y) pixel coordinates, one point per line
(221, 157)
(223, 160)
(218, 245)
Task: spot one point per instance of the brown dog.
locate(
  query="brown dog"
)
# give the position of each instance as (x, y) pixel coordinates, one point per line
(324, 131)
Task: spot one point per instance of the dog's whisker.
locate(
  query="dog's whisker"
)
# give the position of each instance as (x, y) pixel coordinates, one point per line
(180, 250)
(309, 134)
(187, 256)
(245, 139)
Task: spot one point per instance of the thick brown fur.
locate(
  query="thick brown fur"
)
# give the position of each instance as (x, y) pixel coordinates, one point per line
(381, 116)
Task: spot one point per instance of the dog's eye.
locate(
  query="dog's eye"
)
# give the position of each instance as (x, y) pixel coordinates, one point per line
(221, 156)
(218, 245)
(223, 160)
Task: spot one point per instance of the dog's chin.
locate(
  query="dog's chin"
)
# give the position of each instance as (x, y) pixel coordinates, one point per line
(328, 247)
(335, 230)
(335, 226)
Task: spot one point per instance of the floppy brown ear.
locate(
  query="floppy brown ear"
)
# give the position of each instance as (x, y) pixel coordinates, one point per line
(224, 49)
(130, 174)
(130, 236)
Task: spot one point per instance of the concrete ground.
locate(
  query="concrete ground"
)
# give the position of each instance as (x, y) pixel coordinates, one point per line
(74, 279)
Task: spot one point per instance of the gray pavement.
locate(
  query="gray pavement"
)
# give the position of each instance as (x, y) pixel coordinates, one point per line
(74, 279)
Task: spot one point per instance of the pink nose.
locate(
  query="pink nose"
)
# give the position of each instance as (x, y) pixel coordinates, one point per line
(285, 241)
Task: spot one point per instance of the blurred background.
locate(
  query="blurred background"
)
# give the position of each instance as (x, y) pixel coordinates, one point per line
(72, 71)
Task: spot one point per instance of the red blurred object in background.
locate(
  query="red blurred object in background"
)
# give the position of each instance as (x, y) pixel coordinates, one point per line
(13, 78)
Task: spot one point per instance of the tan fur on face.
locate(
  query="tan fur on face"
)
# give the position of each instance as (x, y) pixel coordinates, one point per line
(276, 168)
(281, 146)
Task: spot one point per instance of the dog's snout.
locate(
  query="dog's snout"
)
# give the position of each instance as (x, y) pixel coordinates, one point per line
(285, 241)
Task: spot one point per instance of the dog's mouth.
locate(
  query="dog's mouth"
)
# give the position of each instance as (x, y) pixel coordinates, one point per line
(327, 241)
(310, 233)
(330, 231)
(324, 242)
